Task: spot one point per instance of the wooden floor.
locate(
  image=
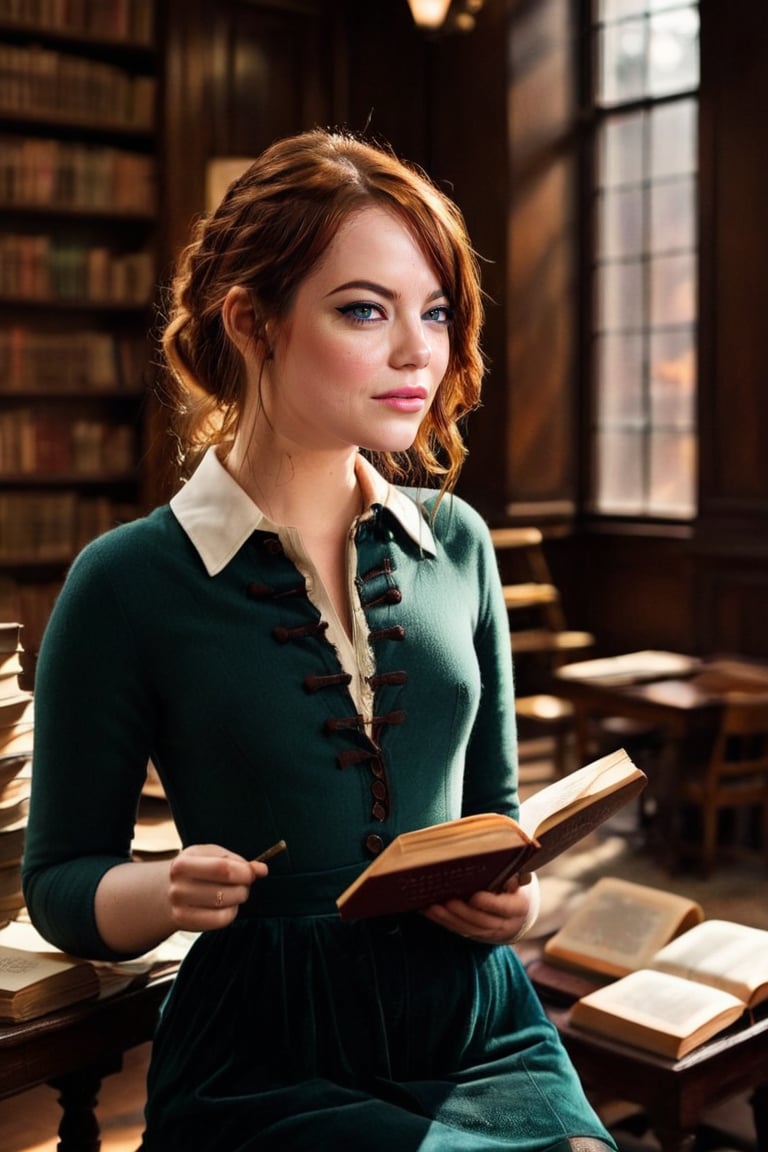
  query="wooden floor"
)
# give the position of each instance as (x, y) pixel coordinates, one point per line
(29, 1123)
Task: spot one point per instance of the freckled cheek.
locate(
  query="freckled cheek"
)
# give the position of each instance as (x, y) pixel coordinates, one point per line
(439, 364)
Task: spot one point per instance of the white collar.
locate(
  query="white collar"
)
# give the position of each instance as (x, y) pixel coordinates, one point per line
(218, 515)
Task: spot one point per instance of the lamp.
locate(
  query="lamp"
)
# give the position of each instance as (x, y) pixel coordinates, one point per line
(429, 13)
(443, 15)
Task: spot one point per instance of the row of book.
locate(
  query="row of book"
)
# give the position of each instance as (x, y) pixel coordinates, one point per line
(131, 20)
(54, 526)
(16, 738)
(59, 174)
(31, 603)
(42, 82)
(37, 442)
(43, 267)
(72, 361)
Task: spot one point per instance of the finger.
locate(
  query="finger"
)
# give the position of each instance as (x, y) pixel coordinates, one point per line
(211, 864)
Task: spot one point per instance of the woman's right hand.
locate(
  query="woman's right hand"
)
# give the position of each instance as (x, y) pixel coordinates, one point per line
(208, 884)
(139, 904)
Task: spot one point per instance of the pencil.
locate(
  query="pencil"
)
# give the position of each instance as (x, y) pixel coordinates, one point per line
(268, 853)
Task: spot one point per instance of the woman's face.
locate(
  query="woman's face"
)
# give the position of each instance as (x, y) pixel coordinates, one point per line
(362, 352)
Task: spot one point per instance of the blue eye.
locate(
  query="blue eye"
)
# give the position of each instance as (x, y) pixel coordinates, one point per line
(442, 314)
(361, 312)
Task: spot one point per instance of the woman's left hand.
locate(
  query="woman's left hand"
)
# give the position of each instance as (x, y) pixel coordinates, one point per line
(490, 917)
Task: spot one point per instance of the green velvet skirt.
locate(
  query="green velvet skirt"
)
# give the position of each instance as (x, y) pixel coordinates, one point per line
(305, 1032)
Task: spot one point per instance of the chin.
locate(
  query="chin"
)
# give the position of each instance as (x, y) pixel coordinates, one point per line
(399, 441)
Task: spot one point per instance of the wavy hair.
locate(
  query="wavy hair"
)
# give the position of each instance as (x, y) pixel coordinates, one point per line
(271, 228)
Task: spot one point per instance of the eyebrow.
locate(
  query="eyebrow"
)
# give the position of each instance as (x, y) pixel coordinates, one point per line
(380, 290)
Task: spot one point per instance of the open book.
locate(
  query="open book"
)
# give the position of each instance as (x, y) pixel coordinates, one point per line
(36, 978)
(459, 857)
(631, 667)
(694, 987)
(32, 984)
(618, 927)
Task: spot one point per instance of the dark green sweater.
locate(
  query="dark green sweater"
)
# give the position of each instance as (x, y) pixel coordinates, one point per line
(229, 685)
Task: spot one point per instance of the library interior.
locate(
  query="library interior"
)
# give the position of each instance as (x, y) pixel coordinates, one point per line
(608, 160)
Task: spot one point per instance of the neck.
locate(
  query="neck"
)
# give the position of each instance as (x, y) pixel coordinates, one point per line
(311, 491)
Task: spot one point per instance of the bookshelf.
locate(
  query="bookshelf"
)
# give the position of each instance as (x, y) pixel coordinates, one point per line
(79, 202)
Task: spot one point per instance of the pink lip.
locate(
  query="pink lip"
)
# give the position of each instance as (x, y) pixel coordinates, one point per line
(404, 399)
(404, 394)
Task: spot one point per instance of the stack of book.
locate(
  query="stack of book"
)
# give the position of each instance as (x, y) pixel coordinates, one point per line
(16, 733)
(36, 978)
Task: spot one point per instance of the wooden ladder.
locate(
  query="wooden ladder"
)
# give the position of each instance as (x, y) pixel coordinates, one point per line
(538, 627)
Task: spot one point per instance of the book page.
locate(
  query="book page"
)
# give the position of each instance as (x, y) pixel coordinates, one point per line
(574, 791)
(723, 954)
(450, 841)
(19, 969)
(619, 926)
(667, 1004)
(563, 813)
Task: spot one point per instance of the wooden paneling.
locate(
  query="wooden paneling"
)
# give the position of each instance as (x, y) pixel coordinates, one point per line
(636, 592)
(734, 399)
(388, 76)
(501, 125)
(238, 75)
(733, 616)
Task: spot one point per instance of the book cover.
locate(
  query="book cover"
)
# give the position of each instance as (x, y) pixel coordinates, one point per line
(481, 852)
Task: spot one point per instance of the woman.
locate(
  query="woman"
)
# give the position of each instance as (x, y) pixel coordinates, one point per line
(306, 652)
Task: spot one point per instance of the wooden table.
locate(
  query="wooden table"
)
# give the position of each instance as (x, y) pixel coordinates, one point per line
(75, 1048)
(685, 710)
(673, 1094)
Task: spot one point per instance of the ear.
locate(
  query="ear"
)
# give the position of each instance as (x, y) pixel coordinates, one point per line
(239, 318)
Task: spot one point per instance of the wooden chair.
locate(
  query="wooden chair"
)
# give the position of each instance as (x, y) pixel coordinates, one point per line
(535, 600)
(736, 774)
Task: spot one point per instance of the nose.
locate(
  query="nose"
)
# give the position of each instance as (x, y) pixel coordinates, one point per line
(411, 348)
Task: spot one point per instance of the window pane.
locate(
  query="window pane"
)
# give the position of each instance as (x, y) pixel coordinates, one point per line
(672, 150)
(620, 479)
(673, 290)
(673, 378)
(673, 54)
(620, 223)
(622, 54)
(620, 378)
(618, 9)
(620, 300)
(673, 467)
(672, 216)
(621, 151)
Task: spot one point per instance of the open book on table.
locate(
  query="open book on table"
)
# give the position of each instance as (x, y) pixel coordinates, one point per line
(457, 858)
(694, 987)
(631, 667)
(618, 926)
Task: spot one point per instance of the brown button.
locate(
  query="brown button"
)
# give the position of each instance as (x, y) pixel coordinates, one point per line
(379, 789)
(374, 844)
(378, 811)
